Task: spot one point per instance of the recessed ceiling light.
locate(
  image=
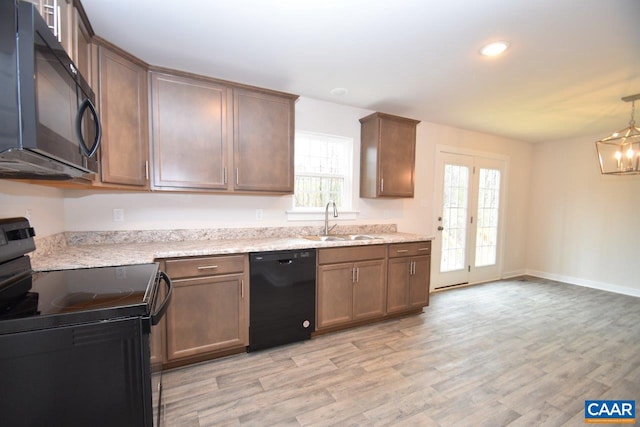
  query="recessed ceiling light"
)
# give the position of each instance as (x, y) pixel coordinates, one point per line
(338, 91)
(495, 48)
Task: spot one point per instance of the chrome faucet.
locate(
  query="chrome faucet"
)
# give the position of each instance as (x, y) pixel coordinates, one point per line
(326, 217)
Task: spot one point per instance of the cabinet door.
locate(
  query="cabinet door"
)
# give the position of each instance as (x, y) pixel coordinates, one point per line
(396, 157)
(263, 126)
(419, 283)
(189, 132)
(398, 284)
(123, 112)
(335, 294)
(81, 49)
(369, 290)
(206, 314)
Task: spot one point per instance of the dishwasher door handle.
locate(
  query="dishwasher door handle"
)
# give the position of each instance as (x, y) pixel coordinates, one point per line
(285, 261)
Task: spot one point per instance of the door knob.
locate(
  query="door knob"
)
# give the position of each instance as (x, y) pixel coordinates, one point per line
(440, 228)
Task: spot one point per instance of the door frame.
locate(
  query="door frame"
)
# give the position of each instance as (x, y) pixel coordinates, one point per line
(448, 149)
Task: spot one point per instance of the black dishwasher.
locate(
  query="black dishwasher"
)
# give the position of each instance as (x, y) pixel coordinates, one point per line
(282, 297)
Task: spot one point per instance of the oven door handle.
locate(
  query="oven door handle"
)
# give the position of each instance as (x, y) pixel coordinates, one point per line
(155, 317)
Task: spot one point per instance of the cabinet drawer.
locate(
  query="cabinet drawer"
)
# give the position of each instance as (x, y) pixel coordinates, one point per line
(207, 266)
(348, 254)
(409, 249)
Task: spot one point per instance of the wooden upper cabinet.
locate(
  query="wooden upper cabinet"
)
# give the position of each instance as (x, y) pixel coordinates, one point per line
(263, 141)
(210, 135)
(189, 132)
(387, 159)
(124, 117)
(82, 51)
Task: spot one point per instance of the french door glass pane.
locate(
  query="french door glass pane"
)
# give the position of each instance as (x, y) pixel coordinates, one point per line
(487, 219)
(454, 217)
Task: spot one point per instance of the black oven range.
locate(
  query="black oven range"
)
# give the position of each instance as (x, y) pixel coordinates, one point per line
(75, 345)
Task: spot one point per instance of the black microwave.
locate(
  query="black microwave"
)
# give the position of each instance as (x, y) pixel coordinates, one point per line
(49, 126)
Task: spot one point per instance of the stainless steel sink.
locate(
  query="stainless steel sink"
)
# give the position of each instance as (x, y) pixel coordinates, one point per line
(362, 237)
(324, 238)
(340, 237)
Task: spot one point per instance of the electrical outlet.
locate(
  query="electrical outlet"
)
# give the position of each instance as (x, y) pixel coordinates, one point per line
(118, 215)
(259, 214)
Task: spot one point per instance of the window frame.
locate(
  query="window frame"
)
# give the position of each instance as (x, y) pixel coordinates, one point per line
(347, 161)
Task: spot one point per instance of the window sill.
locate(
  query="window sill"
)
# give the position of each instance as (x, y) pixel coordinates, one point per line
(319, 215)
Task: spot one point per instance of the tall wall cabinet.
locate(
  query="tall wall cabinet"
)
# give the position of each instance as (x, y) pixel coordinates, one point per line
(387, 156)
(122, 89)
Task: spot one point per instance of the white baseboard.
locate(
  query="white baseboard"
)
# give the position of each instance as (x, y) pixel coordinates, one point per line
(514, 273)
(634, 292)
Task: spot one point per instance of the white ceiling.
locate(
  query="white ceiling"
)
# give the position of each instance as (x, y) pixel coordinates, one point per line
(569, 63)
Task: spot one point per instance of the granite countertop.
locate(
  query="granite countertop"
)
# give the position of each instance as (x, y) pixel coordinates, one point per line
(113, 254)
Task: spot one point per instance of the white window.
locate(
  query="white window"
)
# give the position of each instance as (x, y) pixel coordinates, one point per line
(323, 171)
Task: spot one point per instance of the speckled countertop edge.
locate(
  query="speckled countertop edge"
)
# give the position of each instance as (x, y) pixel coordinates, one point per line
(105, 255)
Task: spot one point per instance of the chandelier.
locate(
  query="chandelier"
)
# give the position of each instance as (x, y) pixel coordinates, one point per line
(619, 153)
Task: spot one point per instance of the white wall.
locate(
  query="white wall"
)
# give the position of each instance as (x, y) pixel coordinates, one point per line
(583, 226)
(45, 205)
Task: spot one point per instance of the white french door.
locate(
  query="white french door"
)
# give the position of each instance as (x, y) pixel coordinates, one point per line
(467, 248)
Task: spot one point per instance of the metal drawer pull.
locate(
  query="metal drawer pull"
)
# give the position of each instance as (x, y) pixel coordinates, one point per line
(423, 249)
(401, 251)
(357, 274)
(207, 267)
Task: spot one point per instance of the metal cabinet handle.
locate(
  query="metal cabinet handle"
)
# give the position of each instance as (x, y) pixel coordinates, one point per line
(58, 23)
(423, 249)
(224, 175)
(357, 274)
(401, 251)
(241, 288)
(382, 185)
(353, 275)
(207, 267)
(237, 176)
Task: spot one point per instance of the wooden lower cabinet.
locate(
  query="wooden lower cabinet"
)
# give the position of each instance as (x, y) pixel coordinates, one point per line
(350, 291)
(335, 294)
(408, 276)
(369, 290)
(208, 313)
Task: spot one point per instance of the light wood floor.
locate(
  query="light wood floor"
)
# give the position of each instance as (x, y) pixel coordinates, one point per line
(519, 353)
